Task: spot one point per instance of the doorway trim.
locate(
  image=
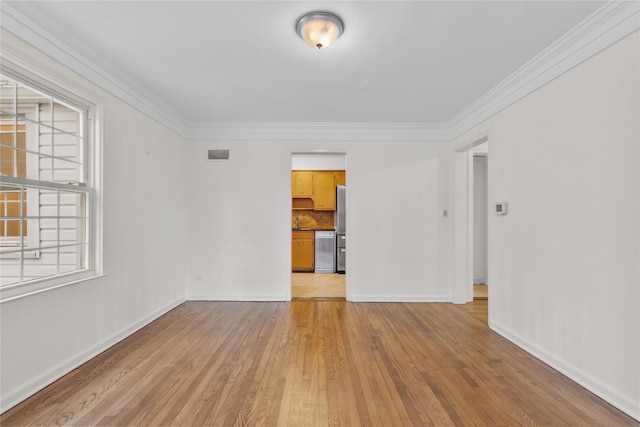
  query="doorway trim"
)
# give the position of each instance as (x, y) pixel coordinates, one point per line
(318, 152)
(462, 263)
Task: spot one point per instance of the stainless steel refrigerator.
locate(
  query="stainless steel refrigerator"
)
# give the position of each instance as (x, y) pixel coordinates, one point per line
(341, 229)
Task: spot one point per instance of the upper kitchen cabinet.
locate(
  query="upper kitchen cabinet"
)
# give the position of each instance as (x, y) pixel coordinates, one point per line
(340, 177)
(324, 194)
(301, 184)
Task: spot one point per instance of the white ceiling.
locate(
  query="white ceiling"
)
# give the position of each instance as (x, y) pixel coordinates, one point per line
(241, 61)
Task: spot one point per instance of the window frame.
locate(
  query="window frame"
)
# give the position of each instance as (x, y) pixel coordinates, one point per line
(91, 152)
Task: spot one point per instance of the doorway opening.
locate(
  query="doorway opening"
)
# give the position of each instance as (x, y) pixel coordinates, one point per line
(480, 222)
(318, 225)
(464, 239)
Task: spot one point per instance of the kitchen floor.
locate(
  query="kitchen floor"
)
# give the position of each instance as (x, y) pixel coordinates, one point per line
(480, 291)
(312, 285)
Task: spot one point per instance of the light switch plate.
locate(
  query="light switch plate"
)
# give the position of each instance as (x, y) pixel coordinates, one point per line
(501, 208)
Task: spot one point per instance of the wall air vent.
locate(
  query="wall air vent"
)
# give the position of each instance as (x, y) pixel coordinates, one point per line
(218, 155)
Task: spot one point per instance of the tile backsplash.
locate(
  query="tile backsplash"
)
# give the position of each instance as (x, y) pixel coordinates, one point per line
(312, 219)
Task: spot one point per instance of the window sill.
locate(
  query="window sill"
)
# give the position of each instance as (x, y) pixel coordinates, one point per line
(14, 292)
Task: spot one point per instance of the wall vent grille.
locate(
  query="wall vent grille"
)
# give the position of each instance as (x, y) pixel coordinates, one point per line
(218, 155)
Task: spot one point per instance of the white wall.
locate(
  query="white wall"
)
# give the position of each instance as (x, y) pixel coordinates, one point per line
(480, 209)
(564, 264)
(48, 334)
(318, 161)
(240, 217)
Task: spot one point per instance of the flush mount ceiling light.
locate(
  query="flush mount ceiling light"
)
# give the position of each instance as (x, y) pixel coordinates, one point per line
(319, 29)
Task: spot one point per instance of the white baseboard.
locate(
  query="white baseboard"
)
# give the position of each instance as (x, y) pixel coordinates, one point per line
(399, 298)
(350, 298)
(12, 397)
(238, 297)
(625, 403)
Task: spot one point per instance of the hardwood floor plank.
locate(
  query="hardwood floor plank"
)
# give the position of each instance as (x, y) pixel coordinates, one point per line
(267, 393)
(316, 363)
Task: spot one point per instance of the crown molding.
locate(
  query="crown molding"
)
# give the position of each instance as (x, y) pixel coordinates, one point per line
(23, 20)
(609, 24)
(320, 131)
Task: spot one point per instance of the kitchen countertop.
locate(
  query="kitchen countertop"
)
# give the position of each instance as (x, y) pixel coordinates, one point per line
(313, 229)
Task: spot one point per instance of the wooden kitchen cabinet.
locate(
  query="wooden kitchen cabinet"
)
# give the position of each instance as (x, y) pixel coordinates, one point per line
(324, 192)
(302, 251)
(341, 178)
(301, 184)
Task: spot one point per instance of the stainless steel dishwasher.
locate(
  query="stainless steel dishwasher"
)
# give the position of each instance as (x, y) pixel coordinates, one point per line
(325, 251)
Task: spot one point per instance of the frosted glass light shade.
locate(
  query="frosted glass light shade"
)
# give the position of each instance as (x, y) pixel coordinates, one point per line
(319, 29)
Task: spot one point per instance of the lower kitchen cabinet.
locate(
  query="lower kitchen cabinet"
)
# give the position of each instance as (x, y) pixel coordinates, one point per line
(302, 251)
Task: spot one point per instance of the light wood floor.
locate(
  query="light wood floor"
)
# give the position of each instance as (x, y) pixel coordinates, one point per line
(316, 363)
(311, 285)
(480, 291)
